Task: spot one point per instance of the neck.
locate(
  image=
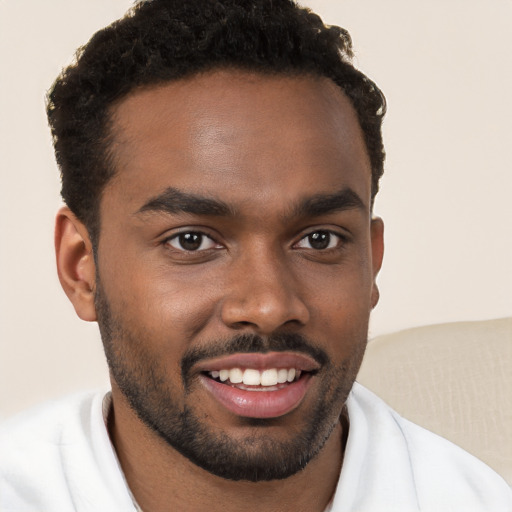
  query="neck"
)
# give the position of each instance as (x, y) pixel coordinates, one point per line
(161, 478)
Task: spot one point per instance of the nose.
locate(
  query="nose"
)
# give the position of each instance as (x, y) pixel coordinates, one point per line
(263, 296)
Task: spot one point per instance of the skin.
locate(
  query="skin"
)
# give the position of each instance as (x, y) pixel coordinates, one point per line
(262, 145)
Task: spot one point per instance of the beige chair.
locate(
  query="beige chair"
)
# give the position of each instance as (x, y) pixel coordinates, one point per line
(453, 379)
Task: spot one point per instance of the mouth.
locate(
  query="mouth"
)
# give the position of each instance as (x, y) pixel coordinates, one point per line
(250, 379)
(259, 385)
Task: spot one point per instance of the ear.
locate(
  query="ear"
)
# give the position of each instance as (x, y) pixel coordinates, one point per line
(377, 240)
(75, 263)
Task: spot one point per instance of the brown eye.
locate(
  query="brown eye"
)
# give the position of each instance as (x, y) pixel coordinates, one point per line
(319, 240)
(191, 241)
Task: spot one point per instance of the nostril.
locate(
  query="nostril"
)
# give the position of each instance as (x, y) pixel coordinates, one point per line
(242, 325)
(264, 312)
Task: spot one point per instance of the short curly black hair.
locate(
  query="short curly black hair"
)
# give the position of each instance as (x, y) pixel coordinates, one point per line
(164, 40)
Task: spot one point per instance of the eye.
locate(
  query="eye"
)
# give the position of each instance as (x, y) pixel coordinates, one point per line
(191, 241)
(319, 240)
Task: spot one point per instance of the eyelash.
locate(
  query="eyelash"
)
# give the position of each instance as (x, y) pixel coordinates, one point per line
(341, 239)
(199, 234)
(194, 235)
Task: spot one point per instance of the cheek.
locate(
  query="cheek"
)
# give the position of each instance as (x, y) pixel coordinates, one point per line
(340, 304)
(158, 301)
(340, 291)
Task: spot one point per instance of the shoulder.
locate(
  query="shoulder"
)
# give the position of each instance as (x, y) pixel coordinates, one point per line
(404, 462)
(47, 426)
(44, 429)
(54, 452)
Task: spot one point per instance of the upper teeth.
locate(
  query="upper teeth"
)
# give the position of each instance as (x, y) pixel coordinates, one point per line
(252, 377)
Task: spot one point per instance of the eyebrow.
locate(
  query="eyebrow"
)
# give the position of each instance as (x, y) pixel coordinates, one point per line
(322, 204)
(173, 201)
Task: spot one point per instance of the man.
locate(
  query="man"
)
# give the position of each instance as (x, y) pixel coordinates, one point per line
(219, 164)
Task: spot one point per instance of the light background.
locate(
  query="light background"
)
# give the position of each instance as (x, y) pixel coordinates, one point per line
(446, 69)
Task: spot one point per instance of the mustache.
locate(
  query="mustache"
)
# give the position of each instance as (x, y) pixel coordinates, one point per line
(248, 343)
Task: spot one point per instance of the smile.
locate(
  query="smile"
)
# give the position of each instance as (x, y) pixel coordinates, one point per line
(256, 380)
(259, 385)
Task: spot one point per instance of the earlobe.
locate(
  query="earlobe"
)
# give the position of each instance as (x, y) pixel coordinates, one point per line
(377, 239)
(375, 295)
(75, 263)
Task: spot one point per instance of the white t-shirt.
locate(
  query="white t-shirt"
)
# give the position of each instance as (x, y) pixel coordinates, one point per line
(58, 458)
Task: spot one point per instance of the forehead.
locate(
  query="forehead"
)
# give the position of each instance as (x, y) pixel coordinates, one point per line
(239, 135)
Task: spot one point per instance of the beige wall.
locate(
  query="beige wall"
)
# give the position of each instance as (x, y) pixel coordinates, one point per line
(446, 68)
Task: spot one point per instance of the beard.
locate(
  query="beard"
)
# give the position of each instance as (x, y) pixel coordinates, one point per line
(161, 405)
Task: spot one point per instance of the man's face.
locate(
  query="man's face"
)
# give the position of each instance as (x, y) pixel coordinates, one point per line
(236, 266)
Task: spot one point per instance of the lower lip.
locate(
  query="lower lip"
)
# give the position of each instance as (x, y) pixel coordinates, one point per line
(258, 404)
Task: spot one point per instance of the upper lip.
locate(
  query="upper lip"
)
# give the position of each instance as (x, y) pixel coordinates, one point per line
(260, 361)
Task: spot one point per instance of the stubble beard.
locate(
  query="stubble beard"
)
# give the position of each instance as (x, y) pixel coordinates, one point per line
(258, 456)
